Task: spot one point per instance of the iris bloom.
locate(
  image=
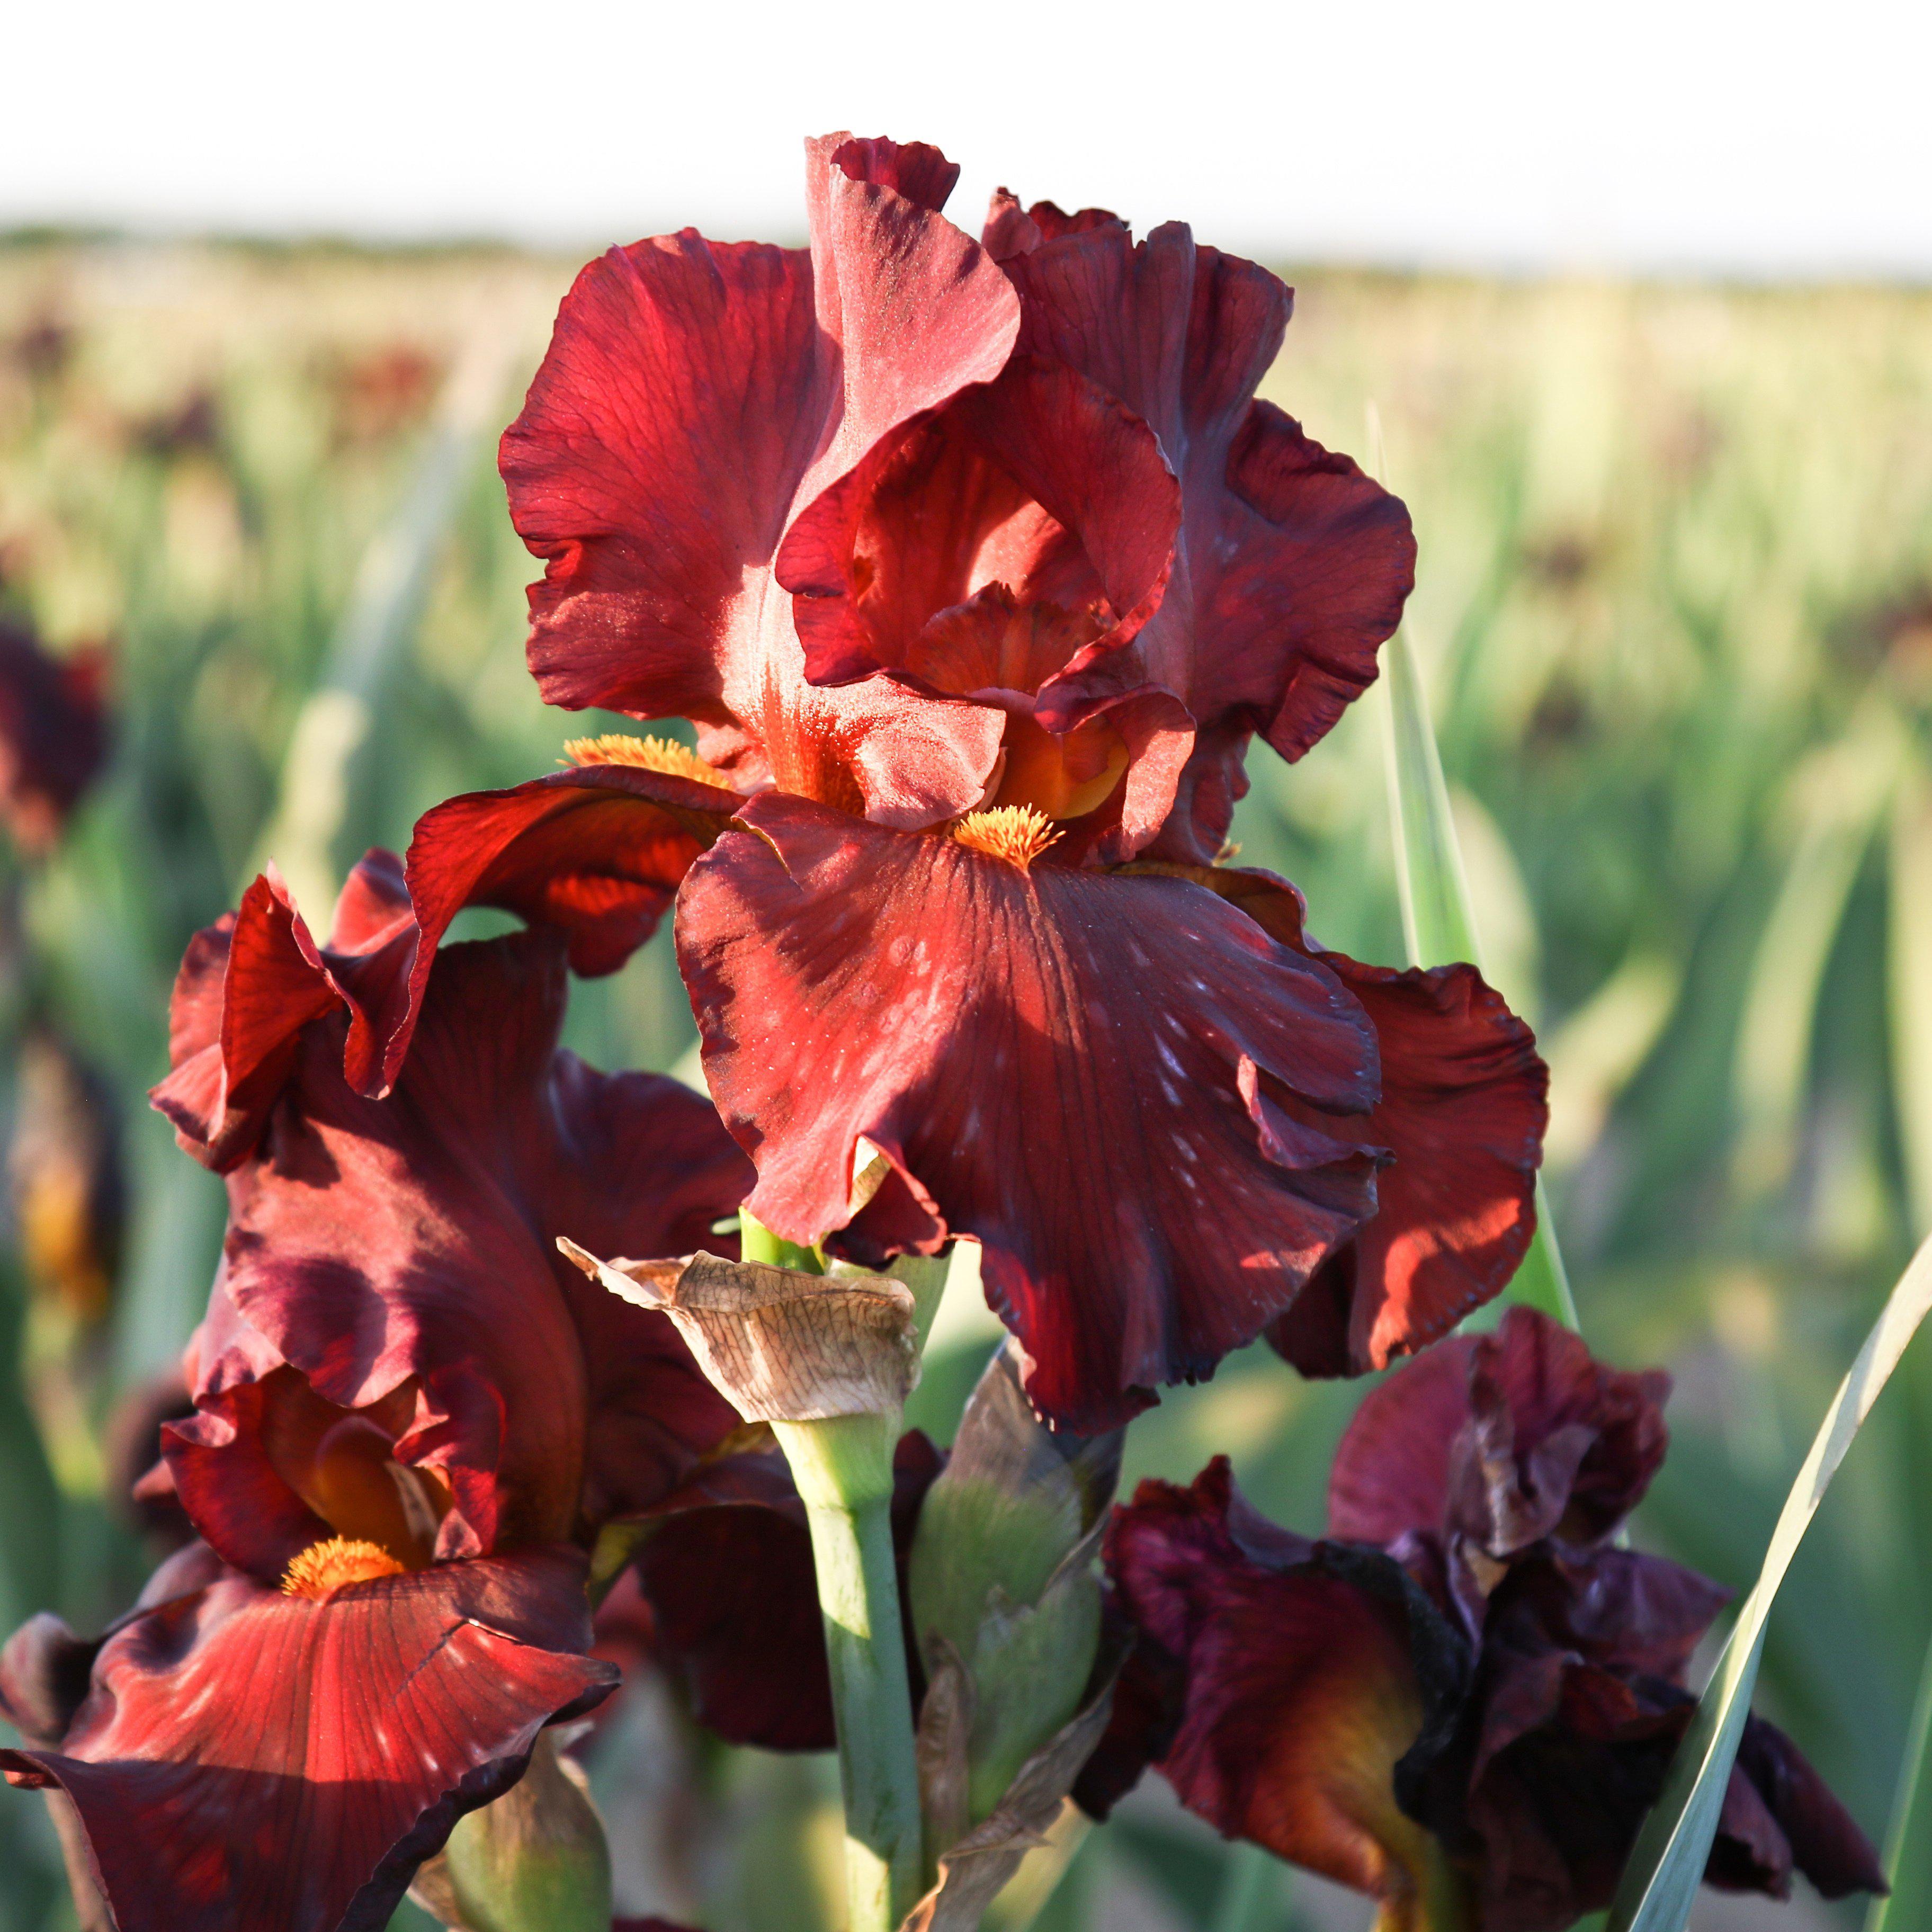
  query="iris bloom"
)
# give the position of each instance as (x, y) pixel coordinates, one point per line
(977, 565)
(412, 1418)
(1465, 1701)
(53, 734)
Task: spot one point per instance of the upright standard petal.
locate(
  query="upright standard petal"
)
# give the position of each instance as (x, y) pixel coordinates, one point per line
(1291, 568)
(1091, 1075)
(695, 397)
(1505, 1437)
(395, 1260)
(254, 1760)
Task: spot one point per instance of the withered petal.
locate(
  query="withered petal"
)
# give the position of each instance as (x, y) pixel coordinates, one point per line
(1086, 1073)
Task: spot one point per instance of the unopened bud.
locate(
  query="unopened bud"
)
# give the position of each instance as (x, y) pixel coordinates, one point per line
(534, 1861)
(1002, 1576)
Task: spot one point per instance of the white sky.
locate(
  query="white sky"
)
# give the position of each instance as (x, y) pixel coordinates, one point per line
(1767, 139)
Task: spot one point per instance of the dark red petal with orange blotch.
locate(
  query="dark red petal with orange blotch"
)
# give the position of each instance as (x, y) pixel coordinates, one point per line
(1084, 1073)
(1462, 1111)
(253, 1761)
(404, 1250)
(695, 396)
(727, 1574)
(1292, 566)
(1311, 1672)
(1412, 1458)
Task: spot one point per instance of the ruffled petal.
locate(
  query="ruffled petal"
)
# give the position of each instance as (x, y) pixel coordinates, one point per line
(254, 1760)
(696, 396)
(1413, 1456)
(1462, 1113)
(1292, 567)
(596, 853)
(1089, 1075)
(1309, 1677)
(398, 1256)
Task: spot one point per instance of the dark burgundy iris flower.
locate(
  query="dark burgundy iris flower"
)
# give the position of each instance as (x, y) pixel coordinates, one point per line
(53, 734)
(1464, 1701)
(411, 1419)
(977, 564)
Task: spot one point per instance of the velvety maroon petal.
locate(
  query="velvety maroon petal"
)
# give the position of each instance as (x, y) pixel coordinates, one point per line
(401, 1253)
(53, 733)
(1292, 566)
(1303, 1686)
(695, 396)
(249, 1759)
(1810, 1828)
(728, 1575)
(1011, 230)
(1397, 1468)
(1081, 1072)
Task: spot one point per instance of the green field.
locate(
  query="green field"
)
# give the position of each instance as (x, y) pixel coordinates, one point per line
(1675, 600)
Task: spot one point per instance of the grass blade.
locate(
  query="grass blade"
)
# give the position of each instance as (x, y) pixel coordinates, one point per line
(1661, 1880)
(1910, 945)
(1908, 1845)
(1437, 918)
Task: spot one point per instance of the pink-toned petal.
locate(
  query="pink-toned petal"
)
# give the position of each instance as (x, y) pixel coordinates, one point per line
(1087, 1074)
(251, 1762)
(1411, 1452)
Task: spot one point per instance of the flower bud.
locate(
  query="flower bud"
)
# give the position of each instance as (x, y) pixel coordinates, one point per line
(534, 1861)
(1002, 1581)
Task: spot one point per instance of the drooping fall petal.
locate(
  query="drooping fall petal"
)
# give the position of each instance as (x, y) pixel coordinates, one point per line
(1310, 1670)
(397, 1256)
(727, 1573)
(1461, 1112)
(696, 395)
(1087, 1074)
(254, 1761)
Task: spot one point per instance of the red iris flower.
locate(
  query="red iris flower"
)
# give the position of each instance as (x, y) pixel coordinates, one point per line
(413, 1417)
(1466, 1701)
(977, 565)
(53, 734)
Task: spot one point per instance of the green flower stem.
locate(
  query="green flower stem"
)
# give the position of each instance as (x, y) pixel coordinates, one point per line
(843, 1467)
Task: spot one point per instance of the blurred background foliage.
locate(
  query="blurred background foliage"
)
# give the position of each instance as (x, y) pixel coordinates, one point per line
(1674, 604)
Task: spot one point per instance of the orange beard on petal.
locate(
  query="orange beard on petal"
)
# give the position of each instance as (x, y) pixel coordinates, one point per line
(323, 1568)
